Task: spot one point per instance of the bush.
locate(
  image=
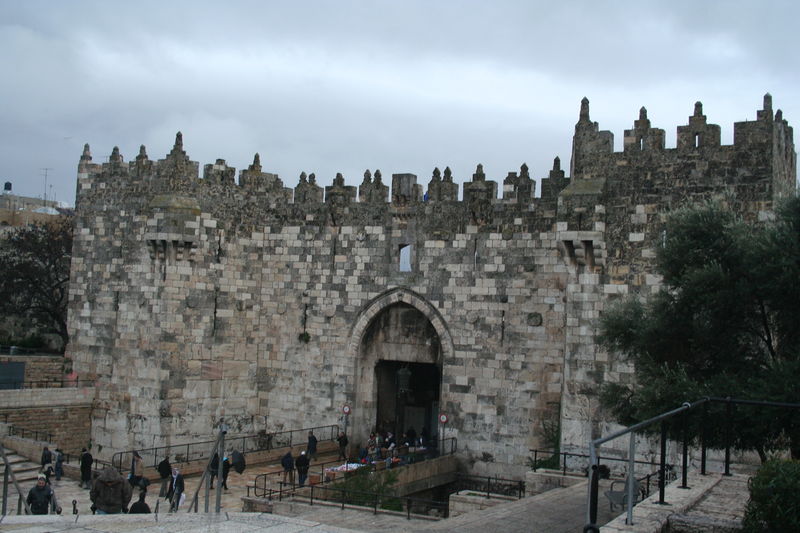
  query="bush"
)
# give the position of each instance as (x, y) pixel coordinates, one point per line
(774, 504)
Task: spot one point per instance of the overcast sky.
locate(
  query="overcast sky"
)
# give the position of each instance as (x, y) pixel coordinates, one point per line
(344, 86)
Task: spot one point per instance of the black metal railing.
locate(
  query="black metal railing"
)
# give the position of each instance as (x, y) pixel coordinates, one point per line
(686, 437)
(263, 482)
(33, 434)
(375, 501)
(196, 451)
(62, 383)
(489, 485)
(6, 349)
(563, 465)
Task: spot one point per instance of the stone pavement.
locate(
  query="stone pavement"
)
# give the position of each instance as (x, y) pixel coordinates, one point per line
(166, 523)
(560, 510)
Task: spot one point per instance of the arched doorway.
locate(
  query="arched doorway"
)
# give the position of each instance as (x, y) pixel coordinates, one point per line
(401, 342)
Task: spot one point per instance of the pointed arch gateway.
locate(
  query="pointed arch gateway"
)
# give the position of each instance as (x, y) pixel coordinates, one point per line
(398, 332)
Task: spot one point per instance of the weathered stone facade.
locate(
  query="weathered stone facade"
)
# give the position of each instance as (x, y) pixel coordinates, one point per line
(195, 298)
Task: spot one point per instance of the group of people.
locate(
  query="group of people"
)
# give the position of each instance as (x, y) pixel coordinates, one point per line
(109, 492)
(382, 444)
(302, 463)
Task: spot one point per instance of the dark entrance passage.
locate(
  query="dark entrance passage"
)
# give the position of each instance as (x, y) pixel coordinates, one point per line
(408, 397)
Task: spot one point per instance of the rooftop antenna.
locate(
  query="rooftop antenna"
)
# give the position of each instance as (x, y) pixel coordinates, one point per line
(45, 170)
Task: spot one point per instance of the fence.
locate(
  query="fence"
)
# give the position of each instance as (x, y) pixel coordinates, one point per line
(489, 485)
(196, 451)
(372, 500)
(261, 486)
(47, 384)
(662, 419)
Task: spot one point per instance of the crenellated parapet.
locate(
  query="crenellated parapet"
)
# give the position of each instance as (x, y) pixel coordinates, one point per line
(643, 168)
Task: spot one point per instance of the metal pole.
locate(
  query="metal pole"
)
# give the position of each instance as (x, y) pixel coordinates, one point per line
(703, 440)
(685, 460)
(662, 470)
(5, 489)
(631, 477)
(223, 429)
(729, 417)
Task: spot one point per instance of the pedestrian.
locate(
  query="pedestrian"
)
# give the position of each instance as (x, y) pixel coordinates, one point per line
(140, 507)
(48, 471)
(59, 463)
(302, 468)
(175, 492)
(213, 469)
(110, 493)
(287, 462)
(47, 457)
(164, 470)
(41, 497)
(311, 449)
(343, 442)
(137, 470)
(86, 462)
(226, 468)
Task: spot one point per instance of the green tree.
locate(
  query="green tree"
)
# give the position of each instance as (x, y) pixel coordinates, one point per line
(773, 505)
(725, 323)
(35, 263)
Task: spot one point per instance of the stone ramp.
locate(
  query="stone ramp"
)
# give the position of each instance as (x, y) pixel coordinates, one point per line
(719, 510)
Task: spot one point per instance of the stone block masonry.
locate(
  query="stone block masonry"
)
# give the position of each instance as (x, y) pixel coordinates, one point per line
(194, 298)
(64, 413)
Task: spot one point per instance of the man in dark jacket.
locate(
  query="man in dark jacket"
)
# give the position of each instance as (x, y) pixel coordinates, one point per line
(86, 469)
(226, 468)
(302, 463)
(41, 497)
(140, 506)
(176, 488)
(110, 492)
(287, 462)
(47, 457)
(164, 470)
(343, 442)
(311, 449)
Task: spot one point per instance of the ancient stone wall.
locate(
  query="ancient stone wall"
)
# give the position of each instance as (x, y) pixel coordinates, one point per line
(64, 413)
(195, 298)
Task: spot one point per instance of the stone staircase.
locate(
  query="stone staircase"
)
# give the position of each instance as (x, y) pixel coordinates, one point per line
(24, 471)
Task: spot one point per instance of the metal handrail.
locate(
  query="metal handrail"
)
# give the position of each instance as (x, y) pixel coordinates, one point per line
(375, 497)
(260, 482)
(591, 511)
(195, 451)
(63, 383)
(565, 455)
(493, 485)
(34, 434)
(22, 501)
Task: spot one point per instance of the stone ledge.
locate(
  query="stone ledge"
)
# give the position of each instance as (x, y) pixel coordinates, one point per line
(650, 516)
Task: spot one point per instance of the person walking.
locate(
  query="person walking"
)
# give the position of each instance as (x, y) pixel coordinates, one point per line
(343, 442)
(110, 493)
(302, 464)
(287, 462)
(47, 458)
(137, 470)
(226, 468)
(59, 455)
(311, 448)
(42, 498)
(165, 471)
(176, 488)
(86, 462)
